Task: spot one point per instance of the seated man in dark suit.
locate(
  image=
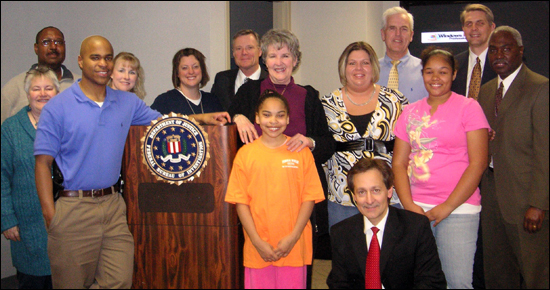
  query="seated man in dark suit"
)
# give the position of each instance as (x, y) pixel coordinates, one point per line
(247, 52)
(406, 255)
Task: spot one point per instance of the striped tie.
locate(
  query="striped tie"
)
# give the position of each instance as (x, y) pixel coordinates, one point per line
(393, 81)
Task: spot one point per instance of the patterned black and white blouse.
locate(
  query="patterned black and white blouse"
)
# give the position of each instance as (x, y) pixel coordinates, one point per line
(389, 107)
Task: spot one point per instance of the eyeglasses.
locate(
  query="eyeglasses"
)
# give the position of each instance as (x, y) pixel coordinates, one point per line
(47, 42)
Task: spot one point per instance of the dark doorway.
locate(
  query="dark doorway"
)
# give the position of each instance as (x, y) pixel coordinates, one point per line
(255, 15)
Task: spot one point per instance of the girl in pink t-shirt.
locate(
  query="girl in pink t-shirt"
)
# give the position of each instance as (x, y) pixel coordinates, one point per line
(440, 154)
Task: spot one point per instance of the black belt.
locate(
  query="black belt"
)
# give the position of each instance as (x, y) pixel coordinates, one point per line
(366, 144)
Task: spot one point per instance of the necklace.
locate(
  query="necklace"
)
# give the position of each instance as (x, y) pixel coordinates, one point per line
(275, 88)
(363, 104)
(188, 103)
(35, 125)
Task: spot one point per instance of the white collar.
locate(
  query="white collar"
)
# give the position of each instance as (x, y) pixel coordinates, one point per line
(508, 80)
(482, 57)
(239, 81)
(196, 102)
(381, 225)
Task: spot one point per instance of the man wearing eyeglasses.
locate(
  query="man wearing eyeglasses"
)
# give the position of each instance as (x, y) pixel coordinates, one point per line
(50, 49)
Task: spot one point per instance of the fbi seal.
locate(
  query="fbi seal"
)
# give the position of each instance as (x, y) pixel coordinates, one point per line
(175, 148)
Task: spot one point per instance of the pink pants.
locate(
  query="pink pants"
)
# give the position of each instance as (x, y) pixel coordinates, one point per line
(272, 277)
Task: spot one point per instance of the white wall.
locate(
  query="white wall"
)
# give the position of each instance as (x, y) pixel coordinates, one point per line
(325, 29)
(153, 31)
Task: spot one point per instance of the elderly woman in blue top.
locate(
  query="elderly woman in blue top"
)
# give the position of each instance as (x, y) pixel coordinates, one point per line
(22, 221)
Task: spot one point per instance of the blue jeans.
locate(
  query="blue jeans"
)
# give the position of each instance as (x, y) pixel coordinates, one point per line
(338, 213)
(456, 238)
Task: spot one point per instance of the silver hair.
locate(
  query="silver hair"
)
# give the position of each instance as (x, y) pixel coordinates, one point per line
(396, 10)
(278, 38)
(39, 71)
(515, 33)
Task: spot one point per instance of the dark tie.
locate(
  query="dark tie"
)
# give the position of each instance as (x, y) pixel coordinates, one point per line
(475, 81)
(372, 270)
(498, 98)
(246, 80)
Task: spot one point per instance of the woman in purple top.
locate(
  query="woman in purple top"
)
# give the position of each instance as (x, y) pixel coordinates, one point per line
(282, 56)
(308, 128)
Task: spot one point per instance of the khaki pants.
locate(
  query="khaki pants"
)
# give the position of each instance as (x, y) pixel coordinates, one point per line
(89, 243)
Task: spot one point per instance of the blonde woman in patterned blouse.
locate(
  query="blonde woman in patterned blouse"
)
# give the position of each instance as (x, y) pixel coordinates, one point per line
(361, 116)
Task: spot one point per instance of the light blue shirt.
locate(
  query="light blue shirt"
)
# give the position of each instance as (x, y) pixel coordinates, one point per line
(411, 83)
(87, 140)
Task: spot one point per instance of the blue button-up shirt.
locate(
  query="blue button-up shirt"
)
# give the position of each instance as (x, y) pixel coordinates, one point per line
(411, 83)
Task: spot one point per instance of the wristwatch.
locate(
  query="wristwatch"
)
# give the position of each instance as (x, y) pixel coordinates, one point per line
(312, 141)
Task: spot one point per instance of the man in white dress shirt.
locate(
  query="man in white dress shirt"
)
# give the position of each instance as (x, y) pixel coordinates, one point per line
(247, 52)
(477, 23)
(408, 255)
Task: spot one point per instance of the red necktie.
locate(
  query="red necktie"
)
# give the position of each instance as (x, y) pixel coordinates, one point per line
(498, 98)
(372, 270)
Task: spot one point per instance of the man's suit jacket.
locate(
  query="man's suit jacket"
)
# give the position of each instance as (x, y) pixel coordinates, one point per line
(520, 147)
(224, 86)
(459, 84)
(408, 256)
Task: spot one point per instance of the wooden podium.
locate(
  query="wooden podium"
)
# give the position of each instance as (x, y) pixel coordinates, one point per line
(185, 236)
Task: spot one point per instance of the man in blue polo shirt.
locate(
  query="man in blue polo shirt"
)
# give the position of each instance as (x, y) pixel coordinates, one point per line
(84, 128)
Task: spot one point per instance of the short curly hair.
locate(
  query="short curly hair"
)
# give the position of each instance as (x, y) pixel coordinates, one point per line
(278, 38)
(40, 71)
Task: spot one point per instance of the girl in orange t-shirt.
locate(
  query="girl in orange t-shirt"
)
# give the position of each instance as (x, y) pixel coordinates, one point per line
(274, 190)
